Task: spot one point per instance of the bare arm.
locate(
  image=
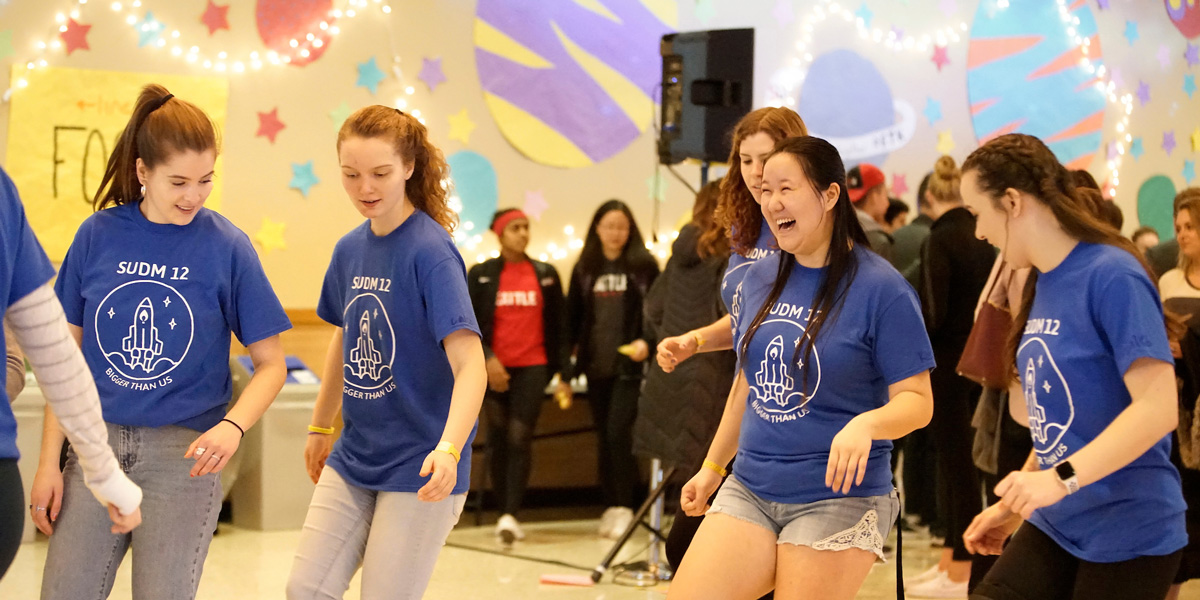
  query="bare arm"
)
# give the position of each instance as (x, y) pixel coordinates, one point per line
(465, 354)
(725, 443)
(329, 395)
(270, 373)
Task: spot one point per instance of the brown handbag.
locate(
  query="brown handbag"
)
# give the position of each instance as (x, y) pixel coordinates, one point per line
(982, 360)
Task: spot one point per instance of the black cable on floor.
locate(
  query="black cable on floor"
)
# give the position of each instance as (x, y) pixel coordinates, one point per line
(509, 554)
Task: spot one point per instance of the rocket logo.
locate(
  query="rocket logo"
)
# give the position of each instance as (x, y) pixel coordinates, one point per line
(369, 345)
(1048, 399)
(775, 388)
(144, 329)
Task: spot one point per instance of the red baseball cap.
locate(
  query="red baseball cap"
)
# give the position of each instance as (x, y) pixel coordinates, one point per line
(860, 180)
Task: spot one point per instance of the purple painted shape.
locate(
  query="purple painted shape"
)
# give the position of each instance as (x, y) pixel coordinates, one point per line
(564, 96)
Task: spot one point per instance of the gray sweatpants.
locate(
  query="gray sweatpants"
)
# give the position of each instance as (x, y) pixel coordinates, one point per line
(393, 535)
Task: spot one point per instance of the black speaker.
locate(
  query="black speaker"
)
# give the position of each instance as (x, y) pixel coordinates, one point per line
(708, 85)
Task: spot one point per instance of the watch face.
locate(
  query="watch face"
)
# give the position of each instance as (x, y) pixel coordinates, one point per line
(1064, 470)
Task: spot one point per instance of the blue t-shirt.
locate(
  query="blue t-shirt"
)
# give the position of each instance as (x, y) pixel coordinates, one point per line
(157, 303)
(736, 269)
(396, 297)
(23, 269)
(1093, 316)
(877, 339)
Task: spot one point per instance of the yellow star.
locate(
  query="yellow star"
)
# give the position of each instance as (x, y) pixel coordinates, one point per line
(270, 236)
(945, 143)
(461, 126)
(1196, 139)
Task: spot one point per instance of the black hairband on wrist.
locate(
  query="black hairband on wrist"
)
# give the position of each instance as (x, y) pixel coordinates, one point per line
(239, 427)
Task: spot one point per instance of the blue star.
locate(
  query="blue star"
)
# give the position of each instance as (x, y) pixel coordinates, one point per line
(149, 30)
(865, 14)
(1131, 32)
(303, 177)
(1189, 84)
(1189, 171)
(369, 75)
(933, 110)
(1135, 148)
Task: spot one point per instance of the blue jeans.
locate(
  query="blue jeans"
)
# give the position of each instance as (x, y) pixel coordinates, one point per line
(179, 515)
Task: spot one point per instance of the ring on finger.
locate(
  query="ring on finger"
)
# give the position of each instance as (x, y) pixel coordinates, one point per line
(214, 456)
(201, 451)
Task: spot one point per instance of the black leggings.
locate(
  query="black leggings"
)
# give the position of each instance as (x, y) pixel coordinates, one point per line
(614, 408)
(1034, 567)
(959, 495)
(511, 417)
(12, 513)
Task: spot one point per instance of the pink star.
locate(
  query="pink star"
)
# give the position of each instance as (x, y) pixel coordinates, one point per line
(215, 17)
(899, 184)
(269, 124)
(1164, 56)
(75, 37)
(1116, 77)
(940, 57)
(535, 204)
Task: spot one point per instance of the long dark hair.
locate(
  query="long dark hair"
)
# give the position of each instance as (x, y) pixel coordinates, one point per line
(1024, 163)
(703, 216)
(635, 254)
(822, 166)
(161, 125)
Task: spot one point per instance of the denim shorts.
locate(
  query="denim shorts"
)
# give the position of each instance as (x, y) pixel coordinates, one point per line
(834, 524)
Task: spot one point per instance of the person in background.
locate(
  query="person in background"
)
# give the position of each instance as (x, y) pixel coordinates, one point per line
(604, 308)
(906, 249)
(868, 191)
(1145, 238)
(1165, 256)
(522, 319)
(1105, 209)
(896, 216)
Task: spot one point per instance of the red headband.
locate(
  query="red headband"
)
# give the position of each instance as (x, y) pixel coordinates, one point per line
(506, 218)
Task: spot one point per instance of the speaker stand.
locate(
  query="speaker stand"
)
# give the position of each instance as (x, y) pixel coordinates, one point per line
(649, 572)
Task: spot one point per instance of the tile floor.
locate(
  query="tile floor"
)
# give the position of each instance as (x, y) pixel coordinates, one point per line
(244, 564)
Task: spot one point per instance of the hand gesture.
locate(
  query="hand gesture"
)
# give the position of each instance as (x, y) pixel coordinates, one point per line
(989, 530)
(316, 450)
(124, 523)
(674, 350)
(848, 456)
(444, 470)
(46, 499)
(696, 492)
(1023, 492)
(497, 375)
(213, 449)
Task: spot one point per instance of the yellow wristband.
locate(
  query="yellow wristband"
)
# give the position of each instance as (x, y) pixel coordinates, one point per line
(714, 466)
(324, 430)
(448, 448)
(700, 341)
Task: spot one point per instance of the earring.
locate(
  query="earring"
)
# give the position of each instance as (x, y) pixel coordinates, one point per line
(143, 191)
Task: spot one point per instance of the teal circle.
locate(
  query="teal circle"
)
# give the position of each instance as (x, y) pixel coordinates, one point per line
(1156, 205)
(475, 185)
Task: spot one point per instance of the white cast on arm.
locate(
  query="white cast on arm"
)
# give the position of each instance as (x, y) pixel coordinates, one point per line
(41, 329)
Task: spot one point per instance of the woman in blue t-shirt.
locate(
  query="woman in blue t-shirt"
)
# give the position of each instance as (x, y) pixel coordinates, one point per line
(1094, 374)
(834, 365)
(152, 286)
(405, 367)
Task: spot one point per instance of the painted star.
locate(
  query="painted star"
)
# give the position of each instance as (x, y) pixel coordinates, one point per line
(1168, 142)
(1135, 148)
(797, 343)
(1131, 31)
(1040, 362)
(656, 188)
(865, 14)
(945, 143)
(431, 72)
(111, 312)
(535, 204)
(269, 124)
(933, 110)
(1189, 84)
(1143, 92)
(1112, 151)
(1117, 78)
(784, 12)
(1192, 54)
(369, 75)
(6, 47)
(172, 324)
(899, 184)
(1189, 171)
(75, 37)
(949, 7)
(339, 115)
(167, 301)
(270, 236)
(303, 177)
(1103, 4)
(149, 30)
(1196, 139)
(1164, 56)
(897, 33)
(461, 126)
(940, 57)
(215, 17)
(1046, 386)
(705, 10)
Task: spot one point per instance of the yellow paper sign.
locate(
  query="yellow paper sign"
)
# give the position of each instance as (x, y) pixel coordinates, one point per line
(62, 126)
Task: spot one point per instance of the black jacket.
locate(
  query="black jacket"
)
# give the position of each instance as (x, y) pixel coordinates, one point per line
(955, 266)
(580, 315)
(678, 412)
(483, 282)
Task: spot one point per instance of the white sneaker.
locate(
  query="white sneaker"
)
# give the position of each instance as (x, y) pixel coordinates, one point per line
(606, 521)
(621, 518)
(927, 575)
(508, 529)
(938, 587)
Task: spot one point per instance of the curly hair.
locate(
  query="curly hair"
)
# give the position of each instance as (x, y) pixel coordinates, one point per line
(737, 215)
(1025, 164)
(426, 188)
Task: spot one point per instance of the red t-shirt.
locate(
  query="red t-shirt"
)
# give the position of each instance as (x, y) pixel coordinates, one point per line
(518, 338)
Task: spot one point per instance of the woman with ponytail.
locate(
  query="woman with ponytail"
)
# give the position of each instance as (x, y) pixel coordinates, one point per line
(152, 286)
(1094, 381)
(405, 367)
(834, 364)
